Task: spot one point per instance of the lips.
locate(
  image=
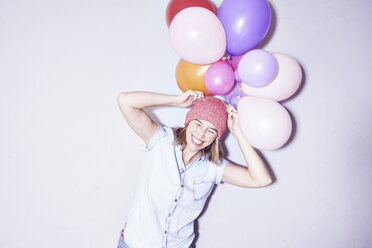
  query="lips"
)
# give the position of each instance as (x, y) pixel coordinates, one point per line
(196, 141)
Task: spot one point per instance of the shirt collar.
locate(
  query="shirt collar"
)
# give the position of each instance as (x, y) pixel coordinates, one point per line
(178, 149)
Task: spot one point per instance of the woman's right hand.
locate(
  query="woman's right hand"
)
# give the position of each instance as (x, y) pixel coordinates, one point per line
(188, 98)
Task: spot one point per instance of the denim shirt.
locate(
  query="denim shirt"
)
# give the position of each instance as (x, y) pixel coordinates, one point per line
(170, 195)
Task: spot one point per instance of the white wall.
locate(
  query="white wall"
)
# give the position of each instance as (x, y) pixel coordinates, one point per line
(69, 163)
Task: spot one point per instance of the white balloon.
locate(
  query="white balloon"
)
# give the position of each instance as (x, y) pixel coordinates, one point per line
(265, 124)
(198, 36)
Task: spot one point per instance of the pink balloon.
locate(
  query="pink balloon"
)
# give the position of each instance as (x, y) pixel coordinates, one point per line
(235, 61)
(265, 124)
(285, 83)
(219, 78)
(198, 36)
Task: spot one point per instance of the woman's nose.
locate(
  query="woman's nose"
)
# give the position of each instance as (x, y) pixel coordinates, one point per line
(201, 132)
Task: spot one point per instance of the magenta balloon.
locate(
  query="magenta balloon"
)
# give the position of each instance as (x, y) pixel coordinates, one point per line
(257, 68)
(246, 23)
(219, 78)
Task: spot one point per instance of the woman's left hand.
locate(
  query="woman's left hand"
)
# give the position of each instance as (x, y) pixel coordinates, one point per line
(232, 119)
(188, 98)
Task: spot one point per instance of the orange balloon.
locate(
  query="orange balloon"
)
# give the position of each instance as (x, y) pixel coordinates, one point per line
(191, 76)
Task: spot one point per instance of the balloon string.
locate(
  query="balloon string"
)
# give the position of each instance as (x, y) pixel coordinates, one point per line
(228, 58)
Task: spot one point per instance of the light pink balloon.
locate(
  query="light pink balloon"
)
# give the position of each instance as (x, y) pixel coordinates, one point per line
(198, 36)
(284, 85)
(265, 124)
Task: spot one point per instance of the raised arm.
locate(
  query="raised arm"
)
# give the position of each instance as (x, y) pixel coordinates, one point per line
(255, 175)
(132, 105)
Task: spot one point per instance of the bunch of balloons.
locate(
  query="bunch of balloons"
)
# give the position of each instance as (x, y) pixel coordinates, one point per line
(218, 57)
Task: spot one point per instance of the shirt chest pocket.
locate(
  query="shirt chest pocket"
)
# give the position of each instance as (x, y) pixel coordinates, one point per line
(201, 188)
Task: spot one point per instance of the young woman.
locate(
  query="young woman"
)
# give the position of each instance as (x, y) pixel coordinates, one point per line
(180, 168)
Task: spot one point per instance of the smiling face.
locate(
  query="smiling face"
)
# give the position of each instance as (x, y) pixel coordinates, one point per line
(200, 134)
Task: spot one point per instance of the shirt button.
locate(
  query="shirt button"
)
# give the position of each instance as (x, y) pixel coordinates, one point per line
(175, 200)
(169, 215)
(165, 232)
(181, 185)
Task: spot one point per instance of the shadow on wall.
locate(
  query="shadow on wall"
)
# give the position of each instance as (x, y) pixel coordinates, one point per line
(271, 31)
(294, 125)
(224, 148)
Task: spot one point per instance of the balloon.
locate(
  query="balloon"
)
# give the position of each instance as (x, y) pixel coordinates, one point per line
(219, 78)
(237, 78)
(191, 77)
(246, 23)
(234, 95)
(235, 61)
(175, 6)
(265, 124)
(257, 68)
(198, 36)
(285, 83)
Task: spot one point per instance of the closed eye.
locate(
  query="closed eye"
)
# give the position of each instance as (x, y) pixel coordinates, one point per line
(198, 122)
(212, 131)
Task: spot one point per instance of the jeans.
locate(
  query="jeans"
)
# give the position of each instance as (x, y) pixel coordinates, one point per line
(121, 243)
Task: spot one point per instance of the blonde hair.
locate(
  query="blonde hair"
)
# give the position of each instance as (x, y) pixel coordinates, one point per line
(213, 152)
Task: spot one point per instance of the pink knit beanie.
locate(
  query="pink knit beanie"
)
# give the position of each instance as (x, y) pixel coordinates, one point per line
(209, 109)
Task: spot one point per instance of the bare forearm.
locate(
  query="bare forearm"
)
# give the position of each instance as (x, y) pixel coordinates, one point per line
(143, 99)
(132, 106)
(256, 167)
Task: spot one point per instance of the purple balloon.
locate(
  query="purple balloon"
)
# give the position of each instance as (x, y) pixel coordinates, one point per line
(257, 68)
(234, 95)
(246, 23)
(237, 78)
(219, 78)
